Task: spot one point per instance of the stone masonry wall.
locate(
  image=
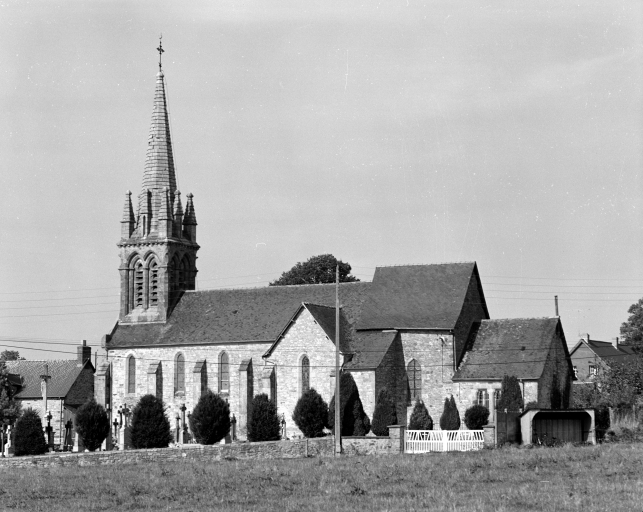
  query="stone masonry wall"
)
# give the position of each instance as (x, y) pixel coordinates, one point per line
(300, 448)
(391, 374)
(472, 311)
(555, 383)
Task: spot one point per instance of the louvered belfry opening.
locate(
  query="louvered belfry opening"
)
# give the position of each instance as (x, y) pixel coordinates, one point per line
(139, 283)
(154, 283)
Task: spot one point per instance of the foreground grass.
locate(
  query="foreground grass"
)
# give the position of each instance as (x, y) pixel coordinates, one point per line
(607, 477)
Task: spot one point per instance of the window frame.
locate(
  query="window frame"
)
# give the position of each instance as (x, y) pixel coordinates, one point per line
(131, 374)
(179, 373)
(224, 363)
(414, 376)
(304, 374)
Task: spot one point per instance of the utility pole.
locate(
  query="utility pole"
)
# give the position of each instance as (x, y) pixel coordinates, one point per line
(338, 423)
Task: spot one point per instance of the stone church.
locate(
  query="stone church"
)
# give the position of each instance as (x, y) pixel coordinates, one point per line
(421, 331)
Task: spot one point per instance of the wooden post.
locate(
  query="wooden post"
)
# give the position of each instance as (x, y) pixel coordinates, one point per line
(338, 423)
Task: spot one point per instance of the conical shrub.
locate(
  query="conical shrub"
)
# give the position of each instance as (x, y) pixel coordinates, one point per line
(92, 424)
(210, 420)
(420, 417)
(150, 426)
(29, 437)
(385, 413)
(510, 395)
(450, 419)
(311, 414)
(264, 423)
(353, 419)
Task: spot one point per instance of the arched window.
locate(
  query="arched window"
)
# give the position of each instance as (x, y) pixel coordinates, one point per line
(154, 284)
(224, 373)
(179, 374)
(131, 374)
(138, 284)
(305, 374)
(414, 372)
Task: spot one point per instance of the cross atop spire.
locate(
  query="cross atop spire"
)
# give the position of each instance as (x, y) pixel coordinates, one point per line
(160, 50)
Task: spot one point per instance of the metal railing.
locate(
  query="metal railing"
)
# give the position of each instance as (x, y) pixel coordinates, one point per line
(423, 441)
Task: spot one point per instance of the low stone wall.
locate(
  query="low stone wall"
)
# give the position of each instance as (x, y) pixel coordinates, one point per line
(301, 448)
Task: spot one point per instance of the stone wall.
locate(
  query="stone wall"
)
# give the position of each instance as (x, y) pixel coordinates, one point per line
(554, 386)
(301, 448)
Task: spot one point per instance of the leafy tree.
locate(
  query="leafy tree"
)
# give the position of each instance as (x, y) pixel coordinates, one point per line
(353, 419)
(311, 414)
(510, 395)
(476, 417)
(264, 423)
(621, 383)
(632, 329)
(450, 419)
(9, 407)
(385, 413)
(29, 438)
(150, 426)
(10, 355)
(420, 417)
(92, 424)
(210, 420)
(316, 270)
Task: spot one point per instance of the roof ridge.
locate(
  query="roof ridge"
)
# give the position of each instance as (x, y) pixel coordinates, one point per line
(250, 288)
(425, 264)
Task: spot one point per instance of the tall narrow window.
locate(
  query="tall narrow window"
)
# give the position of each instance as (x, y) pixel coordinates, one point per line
(482, 398)
(131, 374)
(154, 284)
(224, 373)
(305, 374)
(179, 374)
(414, 372)
(204, 378)
(138, 284)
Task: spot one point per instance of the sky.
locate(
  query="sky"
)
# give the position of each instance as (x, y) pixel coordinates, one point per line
(386, 133)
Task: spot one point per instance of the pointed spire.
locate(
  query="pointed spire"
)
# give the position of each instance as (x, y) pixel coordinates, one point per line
(159, 161)
(189, 220)
(128, 222)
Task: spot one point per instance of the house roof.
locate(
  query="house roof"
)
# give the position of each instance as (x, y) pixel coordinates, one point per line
(241, 315)
(516, 346)
(369, 347)
(63, 375)
(417, 296)
(606, 350)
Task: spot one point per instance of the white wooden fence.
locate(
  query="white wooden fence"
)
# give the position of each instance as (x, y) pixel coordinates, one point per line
(423, 441)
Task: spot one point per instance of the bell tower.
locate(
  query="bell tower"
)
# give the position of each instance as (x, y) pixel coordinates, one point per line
(158, 242)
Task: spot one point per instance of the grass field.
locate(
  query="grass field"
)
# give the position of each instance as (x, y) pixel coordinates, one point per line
(607, 477)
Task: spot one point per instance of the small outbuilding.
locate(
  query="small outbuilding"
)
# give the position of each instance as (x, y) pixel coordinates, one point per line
(555, 426)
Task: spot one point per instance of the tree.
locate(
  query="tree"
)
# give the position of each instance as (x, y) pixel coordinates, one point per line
(385, 413)
(29, 438)
(92, 424)
(353, 419)
(450, 419)
(9, 407)
(316, 270)
(476, 417)
(621, 383)
(210, 420)
(264, 423)
(150, 426)
(632, 329)
(311, 414)
(510, 395)
(420, 417)
(10, 355)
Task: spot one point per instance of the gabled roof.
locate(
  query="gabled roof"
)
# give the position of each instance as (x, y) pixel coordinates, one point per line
(606, 350)
(63, 375)
(241, 315)
(369, 347)
(516, 346)
(417, 296)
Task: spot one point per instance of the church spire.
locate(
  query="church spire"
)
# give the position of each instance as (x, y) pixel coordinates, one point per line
(159, 161)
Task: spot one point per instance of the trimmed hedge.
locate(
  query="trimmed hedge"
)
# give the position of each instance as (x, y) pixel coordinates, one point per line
(210, 419)
(311, 414)
(92, 424)
(420, 417)
(264, 423)
(450, 419)
(476, 417)
(385, 414)
(150, 426)
(29, 437)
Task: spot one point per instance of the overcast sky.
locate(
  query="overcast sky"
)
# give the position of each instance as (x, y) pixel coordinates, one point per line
(385, 133)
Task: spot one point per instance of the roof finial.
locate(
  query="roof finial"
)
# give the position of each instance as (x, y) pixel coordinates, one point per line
(160, 49)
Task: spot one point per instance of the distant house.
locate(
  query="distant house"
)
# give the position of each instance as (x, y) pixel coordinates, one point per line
(590, 356)
(70, 384)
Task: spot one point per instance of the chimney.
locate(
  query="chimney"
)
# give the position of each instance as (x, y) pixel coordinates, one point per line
(84, 353)
(585, 336)
(615, 343)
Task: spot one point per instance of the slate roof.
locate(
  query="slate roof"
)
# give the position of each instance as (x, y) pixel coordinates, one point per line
(606, 350)
(63, 375)
(369, 348)
(241, 315)
(515, 346)
(417, 296)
